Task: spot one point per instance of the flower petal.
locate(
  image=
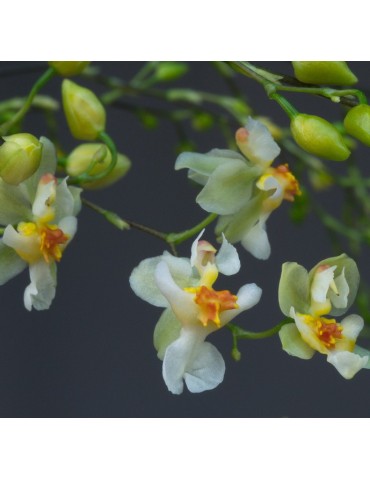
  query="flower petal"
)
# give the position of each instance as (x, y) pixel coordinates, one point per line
(142, 279)
(293, 343)
(207, 369)
(178, 358)
(166, 331)
(307, 333)
(228, 188)
(41, 291)
(257, 145)
(248, 296)
(194, 249)
(321, 283)
(181, 302)
(294, 288)
(205, 164)
(227, 259)
(27, 247)
(340, 300)
(10, 263)
(14, 204)
(347, 363)
(69, 226)
(256, 241)
(363, 352)
(64, 201)
(352, 326)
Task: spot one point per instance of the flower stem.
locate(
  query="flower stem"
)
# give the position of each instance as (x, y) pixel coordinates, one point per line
(43, 80)
(241, 334)
(176, 238)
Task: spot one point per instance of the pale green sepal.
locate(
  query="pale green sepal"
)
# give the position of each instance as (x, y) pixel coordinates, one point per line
(351, 274)
(166, 332)
(293, 343)
(363, 352)
(14, 204)
(76, 195)
(228, 188)
(48, 164)
(10, 263)
(143, 282)
(236, 226)
(206, 163)
(294, 288)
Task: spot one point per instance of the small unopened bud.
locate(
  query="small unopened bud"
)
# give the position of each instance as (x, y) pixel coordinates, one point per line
(83, 110)
(169, 71)
(94, 158)
(324, 73)
(20, 157)
(69, 69)
(319, 137)
(357, 123)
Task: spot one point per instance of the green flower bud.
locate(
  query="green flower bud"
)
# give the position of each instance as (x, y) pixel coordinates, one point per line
(319, 137)
(169, 71)
(68, 69)
(81, 158)
(324, 73)
(20, 157)
(357, 123)
(84, 113)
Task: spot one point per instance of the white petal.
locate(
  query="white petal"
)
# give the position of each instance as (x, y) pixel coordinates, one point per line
(340, 300)
(194, 249)
(207, 369)
(142, 279)
(352, 326)
(321, 283)
(347, 363)
(14, 205)
(293, 343)
(68, 225)
(10, 263)
(227, 259)
(256, 241)
(41, 291)
(45, 192)
(177, 358)
(248, 296)
(182, 303)
(363, 352)
(64, 202)
(259, 146)
(269, 182)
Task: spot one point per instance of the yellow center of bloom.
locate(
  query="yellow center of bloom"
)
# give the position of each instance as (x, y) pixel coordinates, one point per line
(288, 181)
(211, 303)
(328, 331)
(48, 237)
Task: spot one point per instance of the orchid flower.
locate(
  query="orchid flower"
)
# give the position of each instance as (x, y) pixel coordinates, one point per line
(243, 189)
(328, 289)
(40, 219)
(194, 309)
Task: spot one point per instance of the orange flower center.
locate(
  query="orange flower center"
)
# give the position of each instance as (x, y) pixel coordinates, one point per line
(212, 303)
(328, 331)
(288, 181)
(51, 238)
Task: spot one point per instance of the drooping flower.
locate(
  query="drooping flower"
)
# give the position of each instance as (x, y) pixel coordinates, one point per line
(312, 299)
(243, 190)
(193, 310)
(39, 216)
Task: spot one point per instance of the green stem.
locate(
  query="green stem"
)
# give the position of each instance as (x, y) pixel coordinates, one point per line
(285, 105)
(112, 217)
(241, 334)
(40, 83)
(87, 177)
(176, 238)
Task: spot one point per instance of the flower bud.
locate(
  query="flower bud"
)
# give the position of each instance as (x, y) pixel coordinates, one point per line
(20, 157)
(319, 137)
(324, 73)
(68, 69)
(82, 157)
(357, 123)
(84, 113)
(169, 71)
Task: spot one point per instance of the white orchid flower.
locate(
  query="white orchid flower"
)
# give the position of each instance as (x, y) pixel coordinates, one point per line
(243, 190)
(330, 288)
(193, 311)
(40, 219)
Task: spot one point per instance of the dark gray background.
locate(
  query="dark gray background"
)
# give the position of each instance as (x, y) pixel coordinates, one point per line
(91, 354)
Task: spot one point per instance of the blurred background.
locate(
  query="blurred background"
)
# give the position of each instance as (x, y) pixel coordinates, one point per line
(91, 354)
